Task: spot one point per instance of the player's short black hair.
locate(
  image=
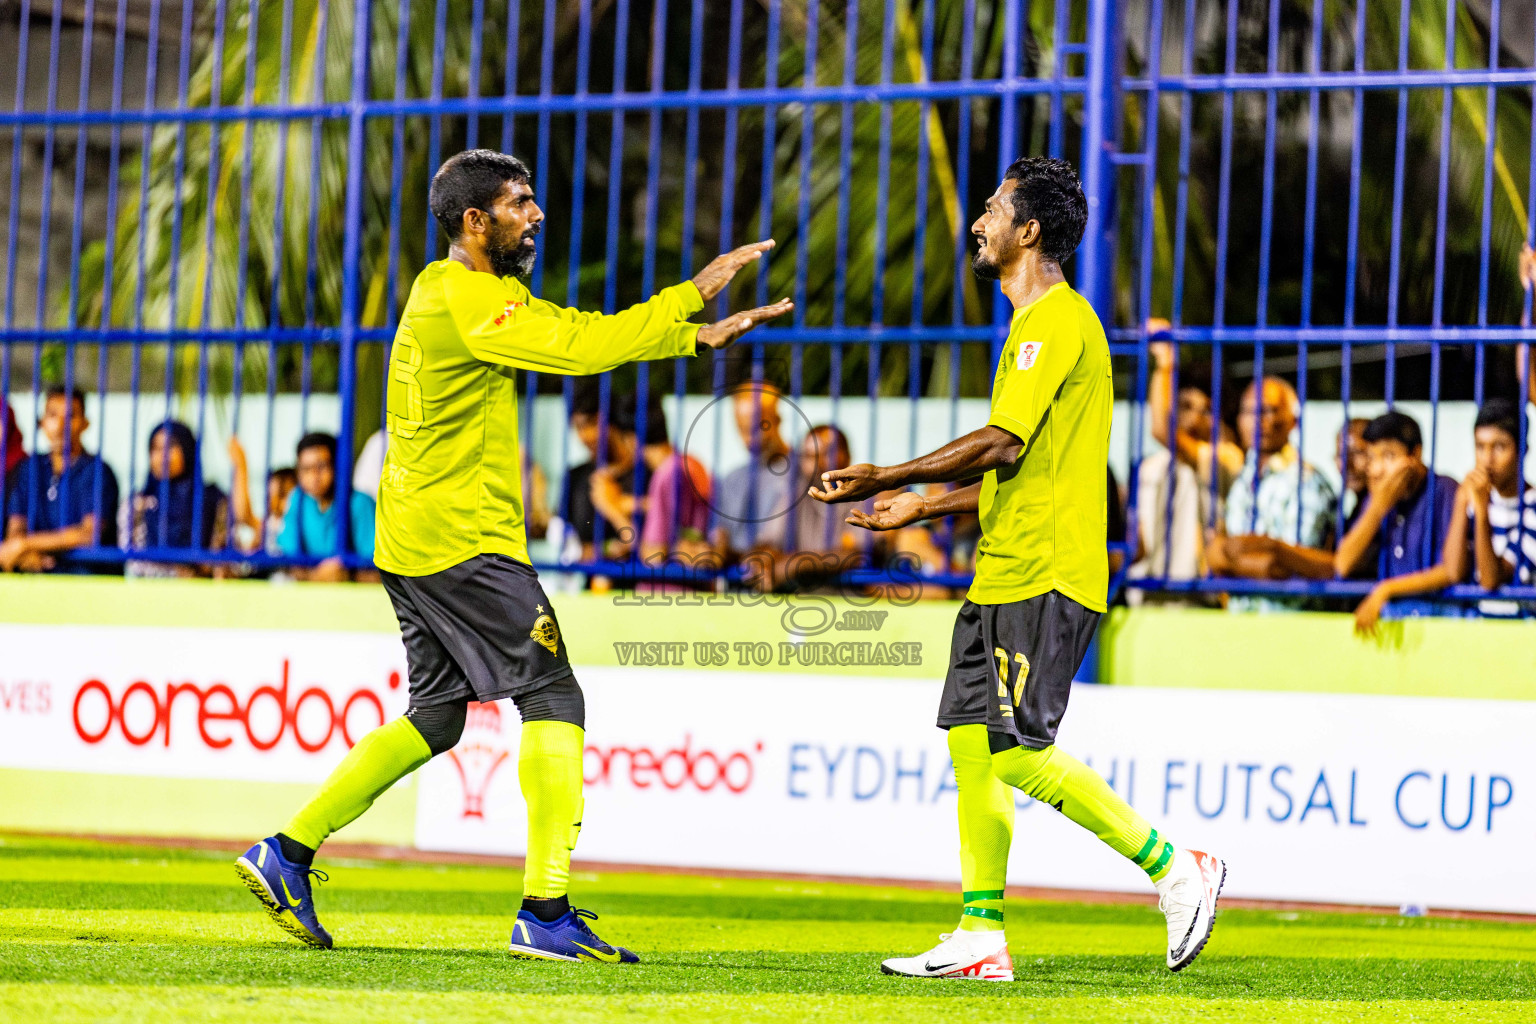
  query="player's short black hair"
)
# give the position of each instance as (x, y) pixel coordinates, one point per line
(471, 180)
(316, 439)
(1047, 190)
(1395, 426)
(1501, 413)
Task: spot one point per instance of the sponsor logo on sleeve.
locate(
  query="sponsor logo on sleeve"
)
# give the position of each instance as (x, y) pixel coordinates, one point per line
(506, 312)
(1028, 352)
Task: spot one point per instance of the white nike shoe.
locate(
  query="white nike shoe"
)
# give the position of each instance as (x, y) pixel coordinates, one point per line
(1187, 896)
(979, 956)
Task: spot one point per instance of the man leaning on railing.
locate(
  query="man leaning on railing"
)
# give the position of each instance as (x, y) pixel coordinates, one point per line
(58, 500)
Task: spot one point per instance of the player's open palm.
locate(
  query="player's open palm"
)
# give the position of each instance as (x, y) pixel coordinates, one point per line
(714, 277)
(904, 509)
(723, 332)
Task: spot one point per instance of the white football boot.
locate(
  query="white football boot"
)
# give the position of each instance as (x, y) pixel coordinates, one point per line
(1187, 896)
(979, 956)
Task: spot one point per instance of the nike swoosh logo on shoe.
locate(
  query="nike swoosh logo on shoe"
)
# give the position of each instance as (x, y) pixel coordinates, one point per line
(931, 969)
(1178, 953)
(291, 901)
(607, 958)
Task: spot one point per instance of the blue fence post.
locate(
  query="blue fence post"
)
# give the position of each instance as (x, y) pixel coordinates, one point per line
(1101, 131)
(346, 384)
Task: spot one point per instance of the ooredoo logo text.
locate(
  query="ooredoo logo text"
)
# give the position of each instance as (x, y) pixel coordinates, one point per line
(682, 766)
(143, 712)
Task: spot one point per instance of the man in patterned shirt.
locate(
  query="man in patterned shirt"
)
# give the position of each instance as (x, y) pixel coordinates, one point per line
(1270, 509)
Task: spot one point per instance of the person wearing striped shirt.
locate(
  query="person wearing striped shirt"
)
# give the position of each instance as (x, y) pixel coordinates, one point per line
(1503, 526)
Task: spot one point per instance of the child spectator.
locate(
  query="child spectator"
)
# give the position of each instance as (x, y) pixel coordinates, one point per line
(175, 508)
(1409, 520)
(255, 533)
(312, 524)
(62, 499)
(1503, 525)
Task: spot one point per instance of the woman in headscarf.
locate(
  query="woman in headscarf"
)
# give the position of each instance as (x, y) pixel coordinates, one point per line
(11, 450)
(175, 508)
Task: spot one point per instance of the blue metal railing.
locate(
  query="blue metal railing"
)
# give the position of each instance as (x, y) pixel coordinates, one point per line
(248, 272)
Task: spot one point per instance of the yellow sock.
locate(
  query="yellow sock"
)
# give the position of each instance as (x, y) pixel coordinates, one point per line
(380, 759)
(1061, 780)
(985, 807)
(549, 771)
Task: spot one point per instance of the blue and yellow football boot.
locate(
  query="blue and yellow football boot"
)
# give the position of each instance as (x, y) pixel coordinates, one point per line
(566, 938)
(283, 889)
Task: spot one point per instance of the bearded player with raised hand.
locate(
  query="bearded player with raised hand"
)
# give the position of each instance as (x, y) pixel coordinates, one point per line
(451, 545)
(1041, 580)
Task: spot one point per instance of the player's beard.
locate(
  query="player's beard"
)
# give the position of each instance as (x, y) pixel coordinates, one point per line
(514, 257)
(986, 265)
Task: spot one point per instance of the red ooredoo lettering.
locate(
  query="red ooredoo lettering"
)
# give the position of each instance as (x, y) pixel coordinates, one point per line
(674, 769)
(142, 712)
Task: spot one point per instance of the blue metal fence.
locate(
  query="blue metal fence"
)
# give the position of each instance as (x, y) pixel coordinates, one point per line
(245, 210)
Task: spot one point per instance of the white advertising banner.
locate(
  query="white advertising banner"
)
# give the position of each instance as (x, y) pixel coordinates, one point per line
(259, 705)
(1334, 798)
(1353, 799)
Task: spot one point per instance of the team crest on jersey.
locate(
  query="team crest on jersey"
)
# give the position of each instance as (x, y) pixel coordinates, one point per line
(394, 478)
(1029, 351)
(546, 633)
(507, 311)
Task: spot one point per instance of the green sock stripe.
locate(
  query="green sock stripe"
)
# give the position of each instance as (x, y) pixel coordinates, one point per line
(976, 895)
(986, 912)
(1163, 860)
(1146, 850)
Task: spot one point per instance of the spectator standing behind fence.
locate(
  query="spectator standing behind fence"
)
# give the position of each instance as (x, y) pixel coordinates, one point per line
(755, 498)
(1291, 501)
(312, 524)
(175, 508)
(53, 502)
(1170, 534)
(1415, 521)
(252, 532)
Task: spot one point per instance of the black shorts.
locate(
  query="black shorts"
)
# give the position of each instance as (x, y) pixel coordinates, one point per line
(481, 630)
(1041, 642)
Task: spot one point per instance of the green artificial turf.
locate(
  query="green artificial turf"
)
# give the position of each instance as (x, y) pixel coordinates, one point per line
(92, 931)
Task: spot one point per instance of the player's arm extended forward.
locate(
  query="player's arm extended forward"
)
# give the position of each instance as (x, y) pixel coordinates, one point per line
(552, 339)
(972, 455)
(909, 507)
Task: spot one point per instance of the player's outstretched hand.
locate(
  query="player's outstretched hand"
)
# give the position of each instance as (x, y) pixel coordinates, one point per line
(721, 269)
(891, 513)
(855, 483)
(722, 332)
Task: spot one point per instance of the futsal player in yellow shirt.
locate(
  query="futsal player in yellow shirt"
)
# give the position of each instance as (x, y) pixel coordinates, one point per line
(451, 546)
(1041, 580)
